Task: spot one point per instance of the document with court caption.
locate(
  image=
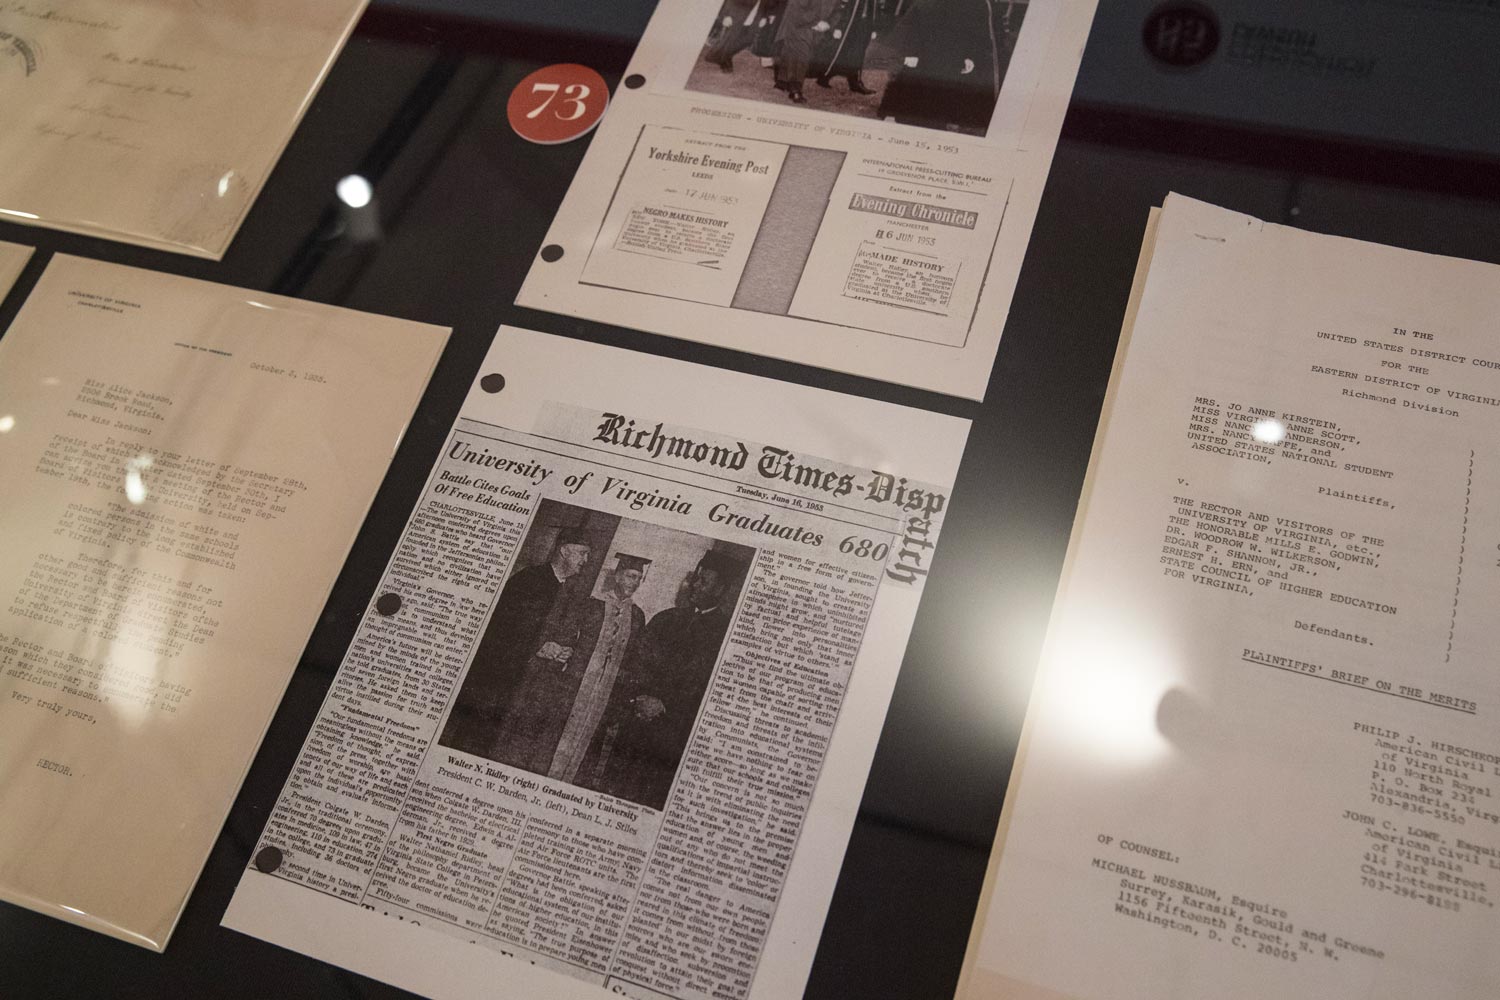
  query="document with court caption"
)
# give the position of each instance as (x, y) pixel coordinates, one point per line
(1262, 758)
(851, 186)
(155, 122)
(186, 465)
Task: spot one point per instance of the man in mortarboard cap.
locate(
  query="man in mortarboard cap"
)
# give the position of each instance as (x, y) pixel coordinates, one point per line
(527, 602)
(656, 698)
(555, 709)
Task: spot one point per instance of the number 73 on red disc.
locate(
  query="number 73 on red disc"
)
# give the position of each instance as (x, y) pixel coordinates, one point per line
(557, 103)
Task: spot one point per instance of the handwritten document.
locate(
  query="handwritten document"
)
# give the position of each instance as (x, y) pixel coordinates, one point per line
(1263, 754)
(155, 122)
(13, 258)
(604, 730)
(186, 466)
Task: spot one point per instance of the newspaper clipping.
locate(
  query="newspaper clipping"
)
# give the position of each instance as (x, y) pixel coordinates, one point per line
(845, 183)
(585, 718)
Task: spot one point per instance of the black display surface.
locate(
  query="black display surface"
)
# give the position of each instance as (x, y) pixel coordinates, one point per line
(416, 104)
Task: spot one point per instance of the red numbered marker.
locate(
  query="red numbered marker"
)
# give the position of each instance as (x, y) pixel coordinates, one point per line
(557, 103)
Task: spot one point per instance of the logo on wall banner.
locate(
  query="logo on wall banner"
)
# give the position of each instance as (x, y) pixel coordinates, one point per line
(1181, 34)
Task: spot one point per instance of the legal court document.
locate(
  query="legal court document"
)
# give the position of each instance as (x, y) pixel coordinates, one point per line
(186, 465)
(155, 122)
(13, 258)
(1262, 757)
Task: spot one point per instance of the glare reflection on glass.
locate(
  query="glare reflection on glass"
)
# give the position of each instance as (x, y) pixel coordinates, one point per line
(355, 191)
(6, 423)
(1114, 686)
(135, 486)
(224, 183)
(1268, 430)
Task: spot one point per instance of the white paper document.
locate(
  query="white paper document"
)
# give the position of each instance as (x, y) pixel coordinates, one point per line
(185, 467)
(155, 122)
(1262, 758)
(607, 722)
(849, 185)
(13, 258)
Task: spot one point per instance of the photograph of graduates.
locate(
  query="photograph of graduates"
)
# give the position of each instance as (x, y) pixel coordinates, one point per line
(598, 652)
(938, 64)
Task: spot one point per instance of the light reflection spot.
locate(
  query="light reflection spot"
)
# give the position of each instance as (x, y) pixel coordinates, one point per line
(135, 485)
(1268, 430)
(1113, 679)
(354, 191)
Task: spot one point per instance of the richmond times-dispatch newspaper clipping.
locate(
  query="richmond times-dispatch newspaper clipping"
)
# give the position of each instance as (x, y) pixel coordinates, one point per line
(583, 721)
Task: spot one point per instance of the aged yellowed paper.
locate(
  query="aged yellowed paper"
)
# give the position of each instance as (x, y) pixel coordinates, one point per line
(156, 121)
(186, 465)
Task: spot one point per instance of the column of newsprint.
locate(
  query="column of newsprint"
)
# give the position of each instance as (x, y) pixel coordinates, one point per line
(675, 902)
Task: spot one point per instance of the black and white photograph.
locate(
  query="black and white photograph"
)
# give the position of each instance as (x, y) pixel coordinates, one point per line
(598, 652)
(937, 64)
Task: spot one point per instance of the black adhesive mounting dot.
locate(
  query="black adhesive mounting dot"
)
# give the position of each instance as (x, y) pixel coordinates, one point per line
(492, 382)
(388, 604)
(268, 859)
(552, 253)
(635, 81)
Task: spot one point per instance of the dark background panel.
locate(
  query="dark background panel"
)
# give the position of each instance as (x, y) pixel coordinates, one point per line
(1402, 154)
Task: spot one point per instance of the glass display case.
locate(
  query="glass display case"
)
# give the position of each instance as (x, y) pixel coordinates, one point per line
(404, 191)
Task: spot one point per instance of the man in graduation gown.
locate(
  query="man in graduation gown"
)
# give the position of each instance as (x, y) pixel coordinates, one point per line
(655, 703)
(842, 50)
(803, 24)
(564, 688)
(767, 23)
(736, 30)
(525, 604)
(954, 57)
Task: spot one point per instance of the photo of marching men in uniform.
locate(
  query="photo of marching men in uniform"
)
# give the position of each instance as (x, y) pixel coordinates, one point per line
(598, 652)
(939, 64)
